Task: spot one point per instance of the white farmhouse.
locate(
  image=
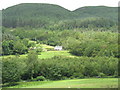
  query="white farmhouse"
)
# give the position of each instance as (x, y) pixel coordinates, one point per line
(59, 48)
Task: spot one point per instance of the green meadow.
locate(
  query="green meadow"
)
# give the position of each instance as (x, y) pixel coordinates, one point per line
(75, 83)
(50, 54)
(44, 55)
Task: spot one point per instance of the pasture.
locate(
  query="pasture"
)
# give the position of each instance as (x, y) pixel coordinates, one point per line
(50, 54)
(44, 55)
(74, 83)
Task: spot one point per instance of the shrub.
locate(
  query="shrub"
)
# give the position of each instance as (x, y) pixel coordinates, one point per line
(39, 78)
(78, 75)
(102, 75)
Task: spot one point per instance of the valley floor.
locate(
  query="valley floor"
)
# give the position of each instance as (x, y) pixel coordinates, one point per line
(74, 83)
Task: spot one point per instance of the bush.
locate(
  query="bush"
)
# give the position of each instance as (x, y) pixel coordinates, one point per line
(78, 75)
(102, 75)
(58, 68)
(39, 78)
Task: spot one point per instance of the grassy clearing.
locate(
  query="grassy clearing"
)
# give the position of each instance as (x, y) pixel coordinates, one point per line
(44, 55)
(75, 83)
(45, 46)
(50, 54)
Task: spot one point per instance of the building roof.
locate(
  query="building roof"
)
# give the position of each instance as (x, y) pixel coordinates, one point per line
(58, 47)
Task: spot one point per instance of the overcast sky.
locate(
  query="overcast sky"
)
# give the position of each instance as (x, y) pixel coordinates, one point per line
(68, 4)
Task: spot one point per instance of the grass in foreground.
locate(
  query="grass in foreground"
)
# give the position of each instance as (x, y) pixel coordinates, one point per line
(75, 83)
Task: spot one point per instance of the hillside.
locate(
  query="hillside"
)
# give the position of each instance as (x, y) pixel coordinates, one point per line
(44, 15)
(98, 11)
(38, 10)
(24, 14)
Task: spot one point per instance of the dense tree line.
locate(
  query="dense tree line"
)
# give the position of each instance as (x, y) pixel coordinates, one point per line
(57, 68)
(83, 23)
(45, 23)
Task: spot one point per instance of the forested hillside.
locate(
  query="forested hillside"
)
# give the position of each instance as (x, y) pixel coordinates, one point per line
(48, 15)
(98, 11)
(34, 15)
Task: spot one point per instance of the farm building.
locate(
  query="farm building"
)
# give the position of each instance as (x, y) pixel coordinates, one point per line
(59, 48)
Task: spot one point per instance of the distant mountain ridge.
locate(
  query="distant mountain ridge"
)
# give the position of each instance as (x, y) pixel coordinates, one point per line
(21, 14)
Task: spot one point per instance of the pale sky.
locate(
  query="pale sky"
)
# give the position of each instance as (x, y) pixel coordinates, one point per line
(68, 4)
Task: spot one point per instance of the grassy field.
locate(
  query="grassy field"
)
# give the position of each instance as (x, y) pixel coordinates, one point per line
(50, 54)
(75, 83)
(44, 55)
